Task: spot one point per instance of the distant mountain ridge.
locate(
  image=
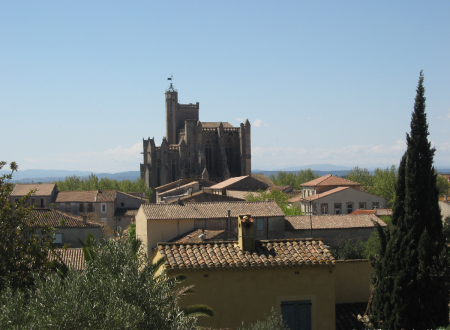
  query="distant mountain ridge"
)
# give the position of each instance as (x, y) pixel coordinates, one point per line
(29, 176)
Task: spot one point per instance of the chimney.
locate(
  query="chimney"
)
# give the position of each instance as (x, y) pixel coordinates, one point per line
(84, 216)
(246, 233)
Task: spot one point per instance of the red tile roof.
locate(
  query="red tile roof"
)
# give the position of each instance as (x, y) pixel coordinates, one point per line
(329, 180)
(216, 210)
(338, 221)
(241, 194)
(263, 178)
(362, 212)
(88, 196)
(59, 219)
(228, 182)
(292, 253)
(42, 189)
(318, 196)
(73, 258)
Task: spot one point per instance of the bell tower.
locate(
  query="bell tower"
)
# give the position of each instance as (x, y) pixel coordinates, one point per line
(171, 95)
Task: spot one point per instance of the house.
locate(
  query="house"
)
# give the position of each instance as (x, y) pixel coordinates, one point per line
(332, 229)
(242, 281)
(339, 200)
(108, 207)
(43, 195)
(325, 183)
(242, 183)
(71, 257)
(161, 222)
(68, 227)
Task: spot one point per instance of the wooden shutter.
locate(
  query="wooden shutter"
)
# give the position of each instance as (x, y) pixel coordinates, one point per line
(297, 314)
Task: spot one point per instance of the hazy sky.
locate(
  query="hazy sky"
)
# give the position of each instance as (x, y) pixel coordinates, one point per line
(82, 82)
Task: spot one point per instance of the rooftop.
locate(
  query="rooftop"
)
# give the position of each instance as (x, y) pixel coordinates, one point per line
(125, 212)
(228, 182)
(292, 253)
(329, 180)
(89, 196)
(216, 124)
(263, 178)
(317, 196)
(338, 221)
(193, 236)
(214, 210)
(73, 258)
(241, 194)
(59, 219)
(42, 189)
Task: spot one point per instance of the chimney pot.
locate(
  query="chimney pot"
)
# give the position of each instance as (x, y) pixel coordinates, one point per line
(246, 233)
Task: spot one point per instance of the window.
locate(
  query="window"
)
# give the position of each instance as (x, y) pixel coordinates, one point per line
(17, 200)
(81, 207)
(349, 208)
(324, 208)
(42, 202)
(118, 219)
(90, 207)
(297, 314)
(68, 207)
(260, 224)
(362, 206)
(337, 208)
(33, 201)
(58, 239)
(122, 204)
(103, 207)
(62, 207)
(375, 205)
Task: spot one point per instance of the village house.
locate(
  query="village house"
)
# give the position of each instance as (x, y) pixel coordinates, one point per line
(299, 278)
(68, 227)
(241, 183)
(161, 222)
(334, 195)
(43, 195)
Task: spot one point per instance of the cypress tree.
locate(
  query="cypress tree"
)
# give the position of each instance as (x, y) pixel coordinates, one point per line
(411, 268)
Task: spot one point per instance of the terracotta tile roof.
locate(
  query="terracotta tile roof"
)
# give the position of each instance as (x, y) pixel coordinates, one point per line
(73, 258)
(241, 194)
(268, 254)
(263, 178)
(131, 195)
(173, 184)
(351, 316)
(362, 212)
(302, 222)
(215, 124)
(42, 189)
(216, 210)
(228, 182)
(294, 193)
(89, 196)
(59, 219)
(326, 193)
(193, 236)
(283, 189)
(125, 212)
(329, 180)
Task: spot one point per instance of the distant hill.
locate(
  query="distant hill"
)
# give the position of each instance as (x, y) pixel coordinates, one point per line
(320, 173)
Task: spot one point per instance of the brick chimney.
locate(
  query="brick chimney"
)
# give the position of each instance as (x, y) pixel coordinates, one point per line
(246, 233)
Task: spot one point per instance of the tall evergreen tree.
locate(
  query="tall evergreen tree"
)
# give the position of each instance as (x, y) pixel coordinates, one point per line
(411, 268)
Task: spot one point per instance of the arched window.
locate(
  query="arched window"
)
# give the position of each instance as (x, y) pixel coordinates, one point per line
(174, 175)
(158, 173)
(208, 156)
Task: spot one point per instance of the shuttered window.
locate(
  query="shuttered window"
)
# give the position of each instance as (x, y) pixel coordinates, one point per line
(297, 314)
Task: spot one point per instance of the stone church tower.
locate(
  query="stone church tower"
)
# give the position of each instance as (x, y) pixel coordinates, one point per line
(214, 151)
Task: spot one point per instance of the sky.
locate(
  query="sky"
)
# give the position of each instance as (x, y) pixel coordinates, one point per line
(322, 82)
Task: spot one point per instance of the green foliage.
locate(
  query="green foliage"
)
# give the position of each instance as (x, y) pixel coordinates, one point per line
(272, 322)
(293, 179)
(411, 267)
(132, 231)
(386, 219)
(74, 183)
(118, 289)
(23, 250)
(443, 185)
(381, 183)
(278, 196)
(357, 249)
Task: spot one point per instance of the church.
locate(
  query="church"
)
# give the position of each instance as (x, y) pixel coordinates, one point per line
(214, 151)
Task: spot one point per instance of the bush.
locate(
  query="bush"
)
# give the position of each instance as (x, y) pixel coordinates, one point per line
(272, 322)
(118, 289)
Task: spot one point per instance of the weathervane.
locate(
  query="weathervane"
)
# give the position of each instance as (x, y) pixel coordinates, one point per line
(171, 86)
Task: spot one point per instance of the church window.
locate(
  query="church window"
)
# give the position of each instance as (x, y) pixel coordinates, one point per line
(208, 156)
(158, 173)
(228, 151)
(173, 171)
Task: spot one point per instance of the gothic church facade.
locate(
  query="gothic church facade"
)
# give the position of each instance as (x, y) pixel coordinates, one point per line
(213, 151)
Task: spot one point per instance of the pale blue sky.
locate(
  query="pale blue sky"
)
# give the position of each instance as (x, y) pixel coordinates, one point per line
(82, 82)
